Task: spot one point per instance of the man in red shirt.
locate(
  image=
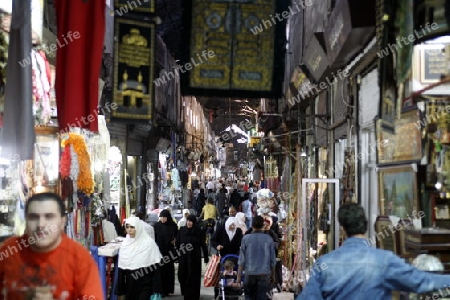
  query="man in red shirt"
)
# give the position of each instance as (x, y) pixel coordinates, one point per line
(44, 263)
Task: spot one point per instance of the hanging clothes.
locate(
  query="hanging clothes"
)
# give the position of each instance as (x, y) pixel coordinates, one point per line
(41, 87)
(175, 176)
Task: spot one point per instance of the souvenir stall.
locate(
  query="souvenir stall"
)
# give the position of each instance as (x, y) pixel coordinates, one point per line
(286, 204)
(114, 171)
(170, 188)
(77, 185)
(19, 178)
(99, 204)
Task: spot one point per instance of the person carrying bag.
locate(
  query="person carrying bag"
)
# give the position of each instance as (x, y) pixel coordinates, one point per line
(212, 274)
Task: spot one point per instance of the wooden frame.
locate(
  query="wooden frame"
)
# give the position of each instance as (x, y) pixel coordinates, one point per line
(398, 193)
(385, 238)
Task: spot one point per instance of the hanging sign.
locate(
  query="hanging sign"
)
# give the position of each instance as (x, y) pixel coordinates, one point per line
(126, 6)
(134, 52)
(235, 47)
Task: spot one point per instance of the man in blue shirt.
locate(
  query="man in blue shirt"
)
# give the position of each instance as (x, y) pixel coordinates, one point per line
(257, 259)
(358, 271)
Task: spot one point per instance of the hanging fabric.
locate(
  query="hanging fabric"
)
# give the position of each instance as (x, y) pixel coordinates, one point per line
(78, 70)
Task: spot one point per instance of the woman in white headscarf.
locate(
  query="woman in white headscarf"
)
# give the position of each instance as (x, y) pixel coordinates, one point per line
(139, 255)
(183, 220)
(240, 222)
(227, 239)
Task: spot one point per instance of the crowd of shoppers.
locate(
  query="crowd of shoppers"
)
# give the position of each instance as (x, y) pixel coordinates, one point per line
(147, 256)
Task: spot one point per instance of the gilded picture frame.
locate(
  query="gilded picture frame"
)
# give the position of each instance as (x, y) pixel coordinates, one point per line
(398, 192)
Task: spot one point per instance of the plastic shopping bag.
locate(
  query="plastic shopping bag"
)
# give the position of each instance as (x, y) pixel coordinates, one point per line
(212, 274)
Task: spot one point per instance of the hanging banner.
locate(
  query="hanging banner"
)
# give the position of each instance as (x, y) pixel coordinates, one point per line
(234, 47)
(134, 52)
(125, 6)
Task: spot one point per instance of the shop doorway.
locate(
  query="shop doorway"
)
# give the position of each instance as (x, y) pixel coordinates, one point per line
(320, 234)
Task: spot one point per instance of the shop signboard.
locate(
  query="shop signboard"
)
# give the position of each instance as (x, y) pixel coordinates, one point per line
(299, 83)
(314, 13)
(298, 80)
(134, 51)
(338, 29)
(350, 28)
(315, 59)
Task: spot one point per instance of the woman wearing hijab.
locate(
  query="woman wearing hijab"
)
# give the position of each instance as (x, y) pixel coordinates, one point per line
(183, 220)
(165, 236)
(138, 276)
(240, 222)
(227, 239)
(190, 261)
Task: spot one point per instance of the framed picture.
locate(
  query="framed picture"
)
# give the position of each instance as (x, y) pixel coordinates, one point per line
(398, 195)
(404, 144)
(433, 63)
(385, 238)
(388, 104)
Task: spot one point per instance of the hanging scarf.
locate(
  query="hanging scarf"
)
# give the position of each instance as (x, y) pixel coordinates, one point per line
(230, 233)
(140, 251)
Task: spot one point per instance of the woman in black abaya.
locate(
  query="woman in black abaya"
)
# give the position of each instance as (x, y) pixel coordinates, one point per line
(190, 243)
(165, 236)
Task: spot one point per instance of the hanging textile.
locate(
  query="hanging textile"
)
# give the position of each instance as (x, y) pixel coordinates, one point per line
(41, 87)
(79, 56)
(18, 135)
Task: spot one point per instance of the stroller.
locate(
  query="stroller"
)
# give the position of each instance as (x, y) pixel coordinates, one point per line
(228, 291)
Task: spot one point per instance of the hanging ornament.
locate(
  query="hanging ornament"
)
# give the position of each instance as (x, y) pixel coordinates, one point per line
(80, 162)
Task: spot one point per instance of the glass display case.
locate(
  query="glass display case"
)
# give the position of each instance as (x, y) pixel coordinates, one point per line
(46, 160)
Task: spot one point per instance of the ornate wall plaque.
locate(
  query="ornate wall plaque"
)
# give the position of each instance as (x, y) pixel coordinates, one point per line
(134, 52)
